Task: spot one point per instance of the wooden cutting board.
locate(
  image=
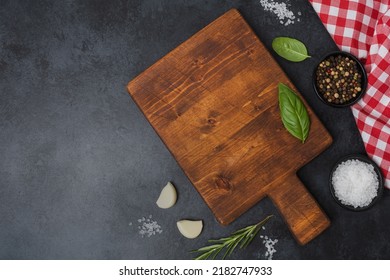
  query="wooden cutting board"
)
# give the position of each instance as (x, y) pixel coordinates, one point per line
(214, 102)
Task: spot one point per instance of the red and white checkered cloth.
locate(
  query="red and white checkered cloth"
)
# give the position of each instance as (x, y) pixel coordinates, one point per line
(362, 27)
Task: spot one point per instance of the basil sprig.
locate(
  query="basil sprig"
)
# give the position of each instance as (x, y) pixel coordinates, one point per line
(290, 49)
(293, 112)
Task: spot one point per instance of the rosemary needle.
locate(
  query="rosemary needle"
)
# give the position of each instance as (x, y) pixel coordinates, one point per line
(242, 238)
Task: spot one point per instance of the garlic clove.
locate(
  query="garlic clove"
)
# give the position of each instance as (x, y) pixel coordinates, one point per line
(190, 229)
(168, 196)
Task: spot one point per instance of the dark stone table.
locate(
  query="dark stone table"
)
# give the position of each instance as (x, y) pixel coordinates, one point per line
(80, 165)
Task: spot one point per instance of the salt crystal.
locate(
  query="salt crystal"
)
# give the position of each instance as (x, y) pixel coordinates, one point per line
(355, 183)
(281, 10)
(148, 227)
(270, 246)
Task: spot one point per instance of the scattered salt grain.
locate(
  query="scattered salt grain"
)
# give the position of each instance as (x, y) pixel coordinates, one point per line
(148, 227)
(355, 183)
(270, 246)
(281, 10)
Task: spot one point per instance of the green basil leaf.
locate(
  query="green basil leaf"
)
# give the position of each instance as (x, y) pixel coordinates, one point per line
(290, 49)
(293, 112)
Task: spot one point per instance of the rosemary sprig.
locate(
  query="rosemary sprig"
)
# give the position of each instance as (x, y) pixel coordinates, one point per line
(242, 237)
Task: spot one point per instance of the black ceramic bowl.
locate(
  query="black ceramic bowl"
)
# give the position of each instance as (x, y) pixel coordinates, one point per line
(377, 171)
(361, 71)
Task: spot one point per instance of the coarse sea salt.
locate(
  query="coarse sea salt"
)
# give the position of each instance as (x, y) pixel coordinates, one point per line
(269, 245)
(281, 10)
(148, 227)
(355, 183)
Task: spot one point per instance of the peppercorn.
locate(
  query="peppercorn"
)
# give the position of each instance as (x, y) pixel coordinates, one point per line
(338, 79)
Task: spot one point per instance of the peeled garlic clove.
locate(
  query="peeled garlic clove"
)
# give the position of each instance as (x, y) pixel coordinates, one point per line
(167, 197)
(190, 229)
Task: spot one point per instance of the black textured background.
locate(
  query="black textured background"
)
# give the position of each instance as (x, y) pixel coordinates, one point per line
(79, 162)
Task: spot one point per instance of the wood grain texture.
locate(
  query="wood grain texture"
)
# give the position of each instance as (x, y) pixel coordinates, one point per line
(214, 102)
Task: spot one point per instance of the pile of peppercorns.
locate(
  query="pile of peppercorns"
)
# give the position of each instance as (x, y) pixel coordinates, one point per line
(338, 79)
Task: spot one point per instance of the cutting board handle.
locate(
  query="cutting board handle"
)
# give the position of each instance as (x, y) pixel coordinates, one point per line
(301, 212)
